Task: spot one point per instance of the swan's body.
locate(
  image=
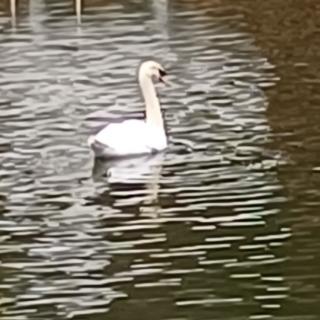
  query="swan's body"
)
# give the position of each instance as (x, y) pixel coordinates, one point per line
(136, 137)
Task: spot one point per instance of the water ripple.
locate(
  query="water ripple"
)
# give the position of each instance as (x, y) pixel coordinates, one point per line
(196, 223)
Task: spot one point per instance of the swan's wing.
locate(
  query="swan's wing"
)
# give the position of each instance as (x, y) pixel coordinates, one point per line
(128, 137)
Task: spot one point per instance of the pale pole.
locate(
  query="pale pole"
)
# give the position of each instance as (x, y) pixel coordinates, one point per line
(78, 10)
(13, 11)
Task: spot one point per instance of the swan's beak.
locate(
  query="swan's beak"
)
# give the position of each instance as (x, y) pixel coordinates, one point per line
(162, 74)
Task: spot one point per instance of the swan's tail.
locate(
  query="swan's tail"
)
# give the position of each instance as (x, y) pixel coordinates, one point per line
(91, 141)
(100, 150)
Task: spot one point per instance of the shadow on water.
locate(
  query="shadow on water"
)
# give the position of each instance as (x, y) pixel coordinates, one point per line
(194, 233)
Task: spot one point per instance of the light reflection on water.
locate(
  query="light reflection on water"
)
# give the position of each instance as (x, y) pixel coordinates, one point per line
(191, 228)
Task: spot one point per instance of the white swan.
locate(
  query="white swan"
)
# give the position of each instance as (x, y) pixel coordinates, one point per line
(136, 137)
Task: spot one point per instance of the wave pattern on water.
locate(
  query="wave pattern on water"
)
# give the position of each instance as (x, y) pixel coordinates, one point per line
(192, 227)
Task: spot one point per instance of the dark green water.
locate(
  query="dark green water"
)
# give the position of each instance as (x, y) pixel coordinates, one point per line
(225, 228)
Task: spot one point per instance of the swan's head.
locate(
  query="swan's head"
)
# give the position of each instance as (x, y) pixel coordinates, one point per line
(153, 70)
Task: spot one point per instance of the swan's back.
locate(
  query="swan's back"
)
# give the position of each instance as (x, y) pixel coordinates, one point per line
(130, 137)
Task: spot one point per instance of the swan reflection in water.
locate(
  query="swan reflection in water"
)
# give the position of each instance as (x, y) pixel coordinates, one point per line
(135, 178)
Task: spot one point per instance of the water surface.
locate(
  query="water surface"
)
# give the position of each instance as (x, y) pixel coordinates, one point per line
(221, 226)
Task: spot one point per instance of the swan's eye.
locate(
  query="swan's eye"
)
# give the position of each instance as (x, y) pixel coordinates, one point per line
(162, 73)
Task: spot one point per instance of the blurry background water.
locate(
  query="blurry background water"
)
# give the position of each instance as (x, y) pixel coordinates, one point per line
(224, 225)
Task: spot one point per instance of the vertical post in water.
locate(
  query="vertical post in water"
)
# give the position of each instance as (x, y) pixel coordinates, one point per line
(78, 10)
(13, 10)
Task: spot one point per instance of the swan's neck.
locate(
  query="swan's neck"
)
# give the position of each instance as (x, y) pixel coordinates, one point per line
(153, 111)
